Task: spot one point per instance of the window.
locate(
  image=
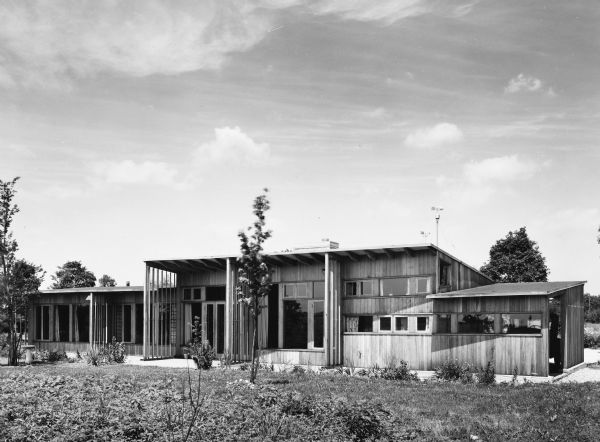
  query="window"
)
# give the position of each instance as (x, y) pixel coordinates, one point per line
(476, 323)
(289, 290)
(139, 323)
(216, 293)
(61, 323)
(187, 294)
(303, 317)
(319, 290)
(295, 323)
(365, 324)
(422, 323)
(360, 288)
(444, 321)
(42, 323)
(127, 323)
(421, 285)
(385, 323)
(401, 323)
(197, 294)
(81, 327)
(394, 287)
(521, 323)
(318, 323)
(445, 273)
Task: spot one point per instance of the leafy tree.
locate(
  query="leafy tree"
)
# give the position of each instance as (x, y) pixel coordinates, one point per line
(106, 281)
(253, 273)
(19, 279)
(516, 258)
(73, 274)
(591, 308)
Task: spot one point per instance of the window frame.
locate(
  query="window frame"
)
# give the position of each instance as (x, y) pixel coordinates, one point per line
(39, 311)
(359, 284)
(309, 297)
(428, 324)
(379, 318)
(396, 330)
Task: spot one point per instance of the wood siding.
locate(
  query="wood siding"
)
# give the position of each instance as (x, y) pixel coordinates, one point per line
(387, 306)
(293, 357)
(527, 353)
(572, 325)
(418, 263)
(369, 349)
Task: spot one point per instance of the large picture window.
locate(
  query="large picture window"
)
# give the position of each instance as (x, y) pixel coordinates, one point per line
(303, 315)
(476, 323)
(521, 323)
(394, 287)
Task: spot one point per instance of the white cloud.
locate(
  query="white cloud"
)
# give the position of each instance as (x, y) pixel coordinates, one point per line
(46, 44)
(376, 113)
(527, 83)
(231, 144)
(441, 134)
(146, 172)
(508, 168)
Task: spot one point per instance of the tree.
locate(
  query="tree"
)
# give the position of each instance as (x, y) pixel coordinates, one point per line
(254, 279)
(516, 258)
(106, 281)
(73, 274)
(19, 279)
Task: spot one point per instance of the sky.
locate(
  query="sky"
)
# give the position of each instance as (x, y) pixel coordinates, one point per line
(144, 129)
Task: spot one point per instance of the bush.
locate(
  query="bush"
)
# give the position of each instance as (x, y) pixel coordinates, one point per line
(56, 356)
(399, 372)
(454, 371)
(361, 420)
(203, 355)
(487, 375)
(112, 353)
(589, 340)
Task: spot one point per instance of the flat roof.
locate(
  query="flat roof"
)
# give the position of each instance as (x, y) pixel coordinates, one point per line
(510, 289)
(302, 256)
(120, 289)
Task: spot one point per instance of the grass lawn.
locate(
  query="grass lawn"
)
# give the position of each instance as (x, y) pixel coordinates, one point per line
(79, 402)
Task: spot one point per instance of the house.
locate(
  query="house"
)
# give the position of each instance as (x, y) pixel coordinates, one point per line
(356, 307)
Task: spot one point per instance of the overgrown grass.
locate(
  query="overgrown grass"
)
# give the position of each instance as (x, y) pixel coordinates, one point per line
(79, 402)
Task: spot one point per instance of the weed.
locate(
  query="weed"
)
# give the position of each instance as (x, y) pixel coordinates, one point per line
(487, 374)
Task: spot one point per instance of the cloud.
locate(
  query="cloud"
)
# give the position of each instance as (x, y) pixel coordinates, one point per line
(47, 44)
(231, 144)
(499, 169)
(527, 83)
(481, 180)
(376, 113)
(441, 134)
(146, 172)
(51, 42)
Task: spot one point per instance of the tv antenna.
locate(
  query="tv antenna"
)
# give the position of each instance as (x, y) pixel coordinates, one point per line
(437, 211)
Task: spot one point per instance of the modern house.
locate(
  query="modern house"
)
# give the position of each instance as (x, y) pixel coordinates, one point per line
(331, 306)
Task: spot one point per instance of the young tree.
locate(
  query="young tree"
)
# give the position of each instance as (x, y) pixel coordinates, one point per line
(73, 274)
(19, 280)
(253, 273)
(516, 258)
(106, 281)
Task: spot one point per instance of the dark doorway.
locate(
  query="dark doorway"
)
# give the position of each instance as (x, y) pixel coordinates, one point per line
(555, 348)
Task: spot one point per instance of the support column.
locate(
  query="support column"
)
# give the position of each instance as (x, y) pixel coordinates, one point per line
(229, 288)
(91, 324)
(145, 317)
(327, 316)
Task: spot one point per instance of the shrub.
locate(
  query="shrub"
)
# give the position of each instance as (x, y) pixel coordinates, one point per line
(399, 372)
(454, 371)
(57, 356)
(487, 375)
(114, 352)
(361, 420)
(589, 340)
(92, 356)
(201, 351)
(41, 355)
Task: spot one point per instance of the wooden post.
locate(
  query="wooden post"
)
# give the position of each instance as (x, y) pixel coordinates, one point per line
(105, 320)
(327, 316)
(70, 322)
(145, 317)
(91, 324)
(228, 303)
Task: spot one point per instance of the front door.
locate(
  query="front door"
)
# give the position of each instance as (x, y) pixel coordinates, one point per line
(213, 321)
